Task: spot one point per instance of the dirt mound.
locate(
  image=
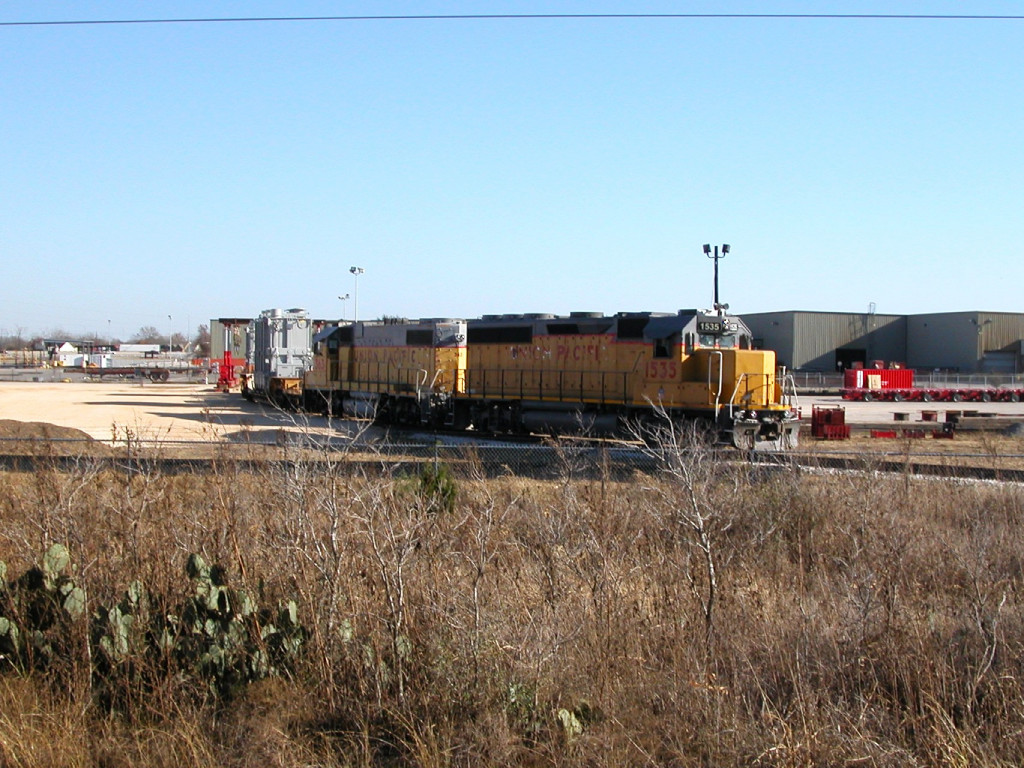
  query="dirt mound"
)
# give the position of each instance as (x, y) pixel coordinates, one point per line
(17, 435)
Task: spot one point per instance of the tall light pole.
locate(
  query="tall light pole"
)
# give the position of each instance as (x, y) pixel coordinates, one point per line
(170, 335)
(716, 257)
(343, 300)
(356, 272)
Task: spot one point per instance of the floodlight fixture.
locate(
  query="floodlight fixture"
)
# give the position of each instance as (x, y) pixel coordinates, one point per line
(716, 256)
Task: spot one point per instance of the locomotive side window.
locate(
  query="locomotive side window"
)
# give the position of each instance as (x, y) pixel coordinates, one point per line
(516, 334)
(631, 327)
(419, 338)
(661, 348)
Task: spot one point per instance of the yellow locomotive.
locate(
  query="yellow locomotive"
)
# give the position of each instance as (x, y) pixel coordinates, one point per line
(602, 375)
(403, 372)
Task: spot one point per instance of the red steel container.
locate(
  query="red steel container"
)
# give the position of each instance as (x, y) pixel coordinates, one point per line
(878, 378)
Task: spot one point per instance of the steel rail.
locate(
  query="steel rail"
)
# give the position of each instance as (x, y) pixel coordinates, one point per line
(520, 459)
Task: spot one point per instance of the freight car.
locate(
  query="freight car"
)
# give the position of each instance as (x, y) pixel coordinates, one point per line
(604, 375)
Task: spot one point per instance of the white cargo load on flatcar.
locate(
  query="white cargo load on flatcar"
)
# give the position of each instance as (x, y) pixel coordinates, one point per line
(279, 346)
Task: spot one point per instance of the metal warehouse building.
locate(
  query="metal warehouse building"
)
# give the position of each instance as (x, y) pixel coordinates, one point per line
(968, 342)
(228, 333)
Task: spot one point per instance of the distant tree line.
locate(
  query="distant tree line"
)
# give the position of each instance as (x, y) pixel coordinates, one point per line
(199, 344)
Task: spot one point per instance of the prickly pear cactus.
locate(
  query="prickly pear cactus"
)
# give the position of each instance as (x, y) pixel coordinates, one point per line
(38, 609)
(225, 638)
(219, 635)
(119, 631)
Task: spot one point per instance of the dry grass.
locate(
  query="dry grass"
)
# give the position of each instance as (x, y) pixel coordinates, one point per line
(857, 620)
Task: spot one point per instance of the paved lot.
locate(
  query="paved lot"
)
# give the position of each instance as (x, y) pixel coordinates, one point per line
(169, 412)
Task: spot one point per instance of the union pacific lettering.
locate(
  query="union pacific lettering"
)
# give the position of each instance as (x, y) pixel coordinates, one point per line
(578, 353)
(524, 352)
(399, 357)
(560, 350)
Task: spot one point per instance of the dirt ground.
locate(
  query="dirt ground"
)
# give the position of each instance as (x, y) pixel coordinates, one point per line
(183, 412)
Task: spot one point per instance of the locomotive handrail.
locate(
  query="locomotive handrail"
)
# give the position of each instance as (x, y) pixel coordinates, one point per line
(423, 380)
(736, 391)
(721, 365)
(790, 397)
(739, 382)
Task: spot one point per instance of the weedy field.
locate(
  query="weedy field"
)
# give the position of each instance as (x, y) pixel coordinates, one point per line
(323, 614)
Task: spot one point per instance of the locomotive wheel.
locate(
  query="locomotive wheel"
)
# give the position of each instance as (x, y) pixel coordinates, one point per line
(383, 415)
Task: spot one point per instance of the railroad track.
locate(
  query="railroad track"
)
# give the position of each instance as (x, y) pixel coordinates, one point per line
(527, 460)
(891, 465)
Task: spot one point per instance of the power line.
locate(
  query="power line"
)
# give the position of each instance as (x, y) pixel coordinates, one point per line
(529, 16)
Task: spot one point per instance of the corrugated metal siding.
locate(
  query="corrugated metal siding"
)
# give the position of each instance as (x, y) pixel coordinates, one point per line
(773, 330)
(1004, 332)
(819, 335)
(1000, 342)
(947, 340)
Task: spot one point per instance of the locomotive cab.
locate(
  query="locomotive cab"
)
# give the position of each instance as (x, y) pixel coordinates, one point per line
(702, 366)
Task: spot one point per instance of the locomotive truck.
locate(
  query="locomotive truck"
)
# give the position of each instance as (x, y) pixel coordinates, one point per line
(599, 374)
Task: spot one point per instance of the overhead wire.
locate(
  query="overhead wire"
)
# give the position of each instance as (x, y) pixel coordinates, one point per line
(526, 16)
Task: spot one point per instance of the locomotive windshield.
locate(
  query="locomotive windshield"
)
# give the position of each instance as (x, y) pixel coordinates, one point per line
(724, 341)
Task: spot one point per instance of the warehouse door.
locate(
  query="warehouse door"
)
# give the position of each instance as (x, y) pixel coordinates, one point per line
(847, 358)
(999, 362)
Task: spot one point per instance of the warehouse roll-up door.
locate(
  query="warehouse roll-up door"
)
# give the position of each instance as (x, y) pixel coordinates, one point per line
(999, 362)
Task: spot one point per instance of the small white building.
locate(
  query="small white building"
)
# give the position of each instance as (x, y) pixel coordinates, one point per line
(67, 354)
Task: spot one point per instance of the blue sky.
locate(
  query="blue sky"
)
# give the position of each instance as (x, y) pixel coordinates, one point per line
(492, 166)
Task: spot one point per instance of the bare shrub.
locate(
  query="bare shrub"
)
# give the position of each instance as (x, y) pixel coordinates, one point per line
(712, 613)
